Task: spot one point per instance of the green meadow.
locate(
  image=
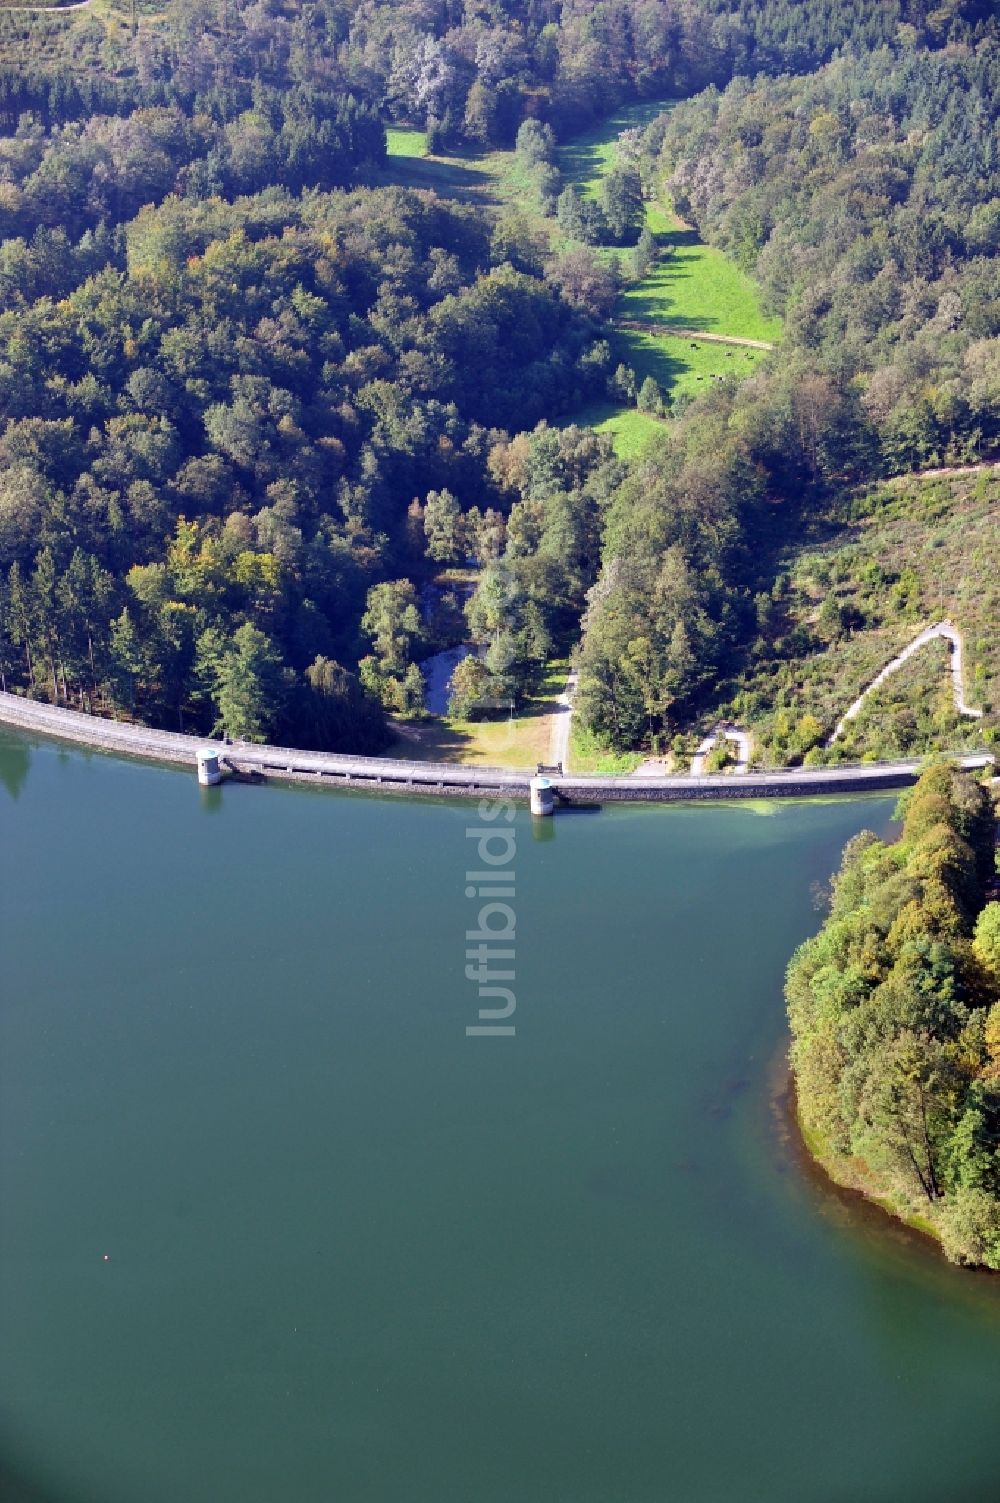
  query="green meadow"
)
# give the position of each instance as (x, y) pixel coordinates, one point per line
(632, 431)
(401, 142)
(683, 367)
(585, 160)
(692, 286)
(480, 177)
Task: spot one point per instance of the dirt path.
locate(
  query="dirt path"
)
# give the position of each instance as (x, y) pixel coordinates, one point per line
(561, 720)
(741, 739)
(953, 636)
(945, 472)
(671, 331)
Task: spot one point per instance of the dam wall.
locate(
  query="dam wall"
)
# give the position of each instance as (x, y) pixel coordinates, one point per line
(255, 763)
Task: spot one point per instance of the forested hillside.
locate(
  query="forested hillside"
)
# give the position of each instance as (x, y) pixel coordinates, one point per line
(895, 1014)
(783, 636)
(475, 72)
(253, 396)
(209, 457)
(864, 199)
(880, 565)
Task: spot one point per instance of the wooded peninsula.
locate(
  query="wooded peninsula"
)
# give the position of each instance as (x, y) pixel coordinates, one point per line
(895, 1015)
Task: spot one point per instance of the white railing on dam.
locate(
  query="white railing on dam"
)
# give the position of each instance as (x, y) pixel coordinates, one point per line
(448, 778)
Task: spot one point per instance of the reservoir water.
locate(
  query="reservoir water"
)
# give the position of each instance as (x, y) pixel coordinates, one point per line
(273, 1229)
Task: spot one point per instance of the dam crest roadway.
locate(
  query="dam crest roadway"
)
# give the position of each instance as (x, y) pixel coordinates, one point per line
(262, 763)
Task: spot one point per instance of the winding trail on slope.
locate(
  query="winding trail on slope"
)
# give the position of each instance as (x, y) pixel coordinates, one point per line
(946, 472)
(740, 739)
(953, 636)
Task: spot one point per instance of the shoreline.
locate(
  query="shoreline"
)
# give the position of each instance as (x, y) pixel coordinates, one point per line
(848, 1179)
(863, 1212)
(832, 1177)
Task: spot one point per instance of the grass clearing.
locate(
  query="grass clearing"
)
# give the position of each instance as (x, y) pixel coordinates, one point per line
(402, 142)
(585, 160)
(632, 431)
(683, 367)
(694, 286)
(691, 286)
(469, 176)
(519, 743)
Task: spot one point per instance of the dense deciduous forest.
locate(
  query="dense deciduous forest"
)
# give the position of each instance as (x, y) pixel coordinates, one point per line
(226, 438)
(895, 1014)
(253, 397)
